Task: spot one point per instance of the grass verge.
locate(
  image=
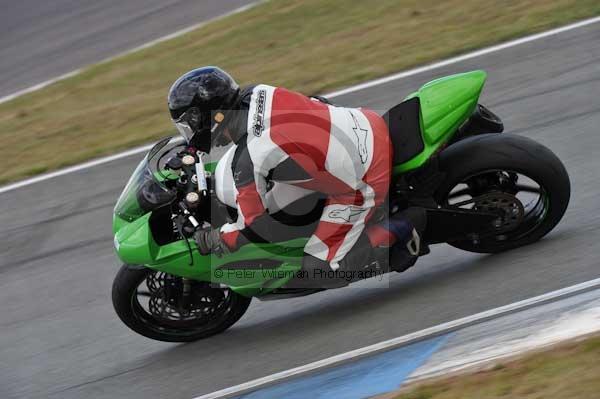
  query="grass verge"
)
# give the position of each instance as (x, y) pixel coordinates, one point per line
(310, 46)
(568, 371)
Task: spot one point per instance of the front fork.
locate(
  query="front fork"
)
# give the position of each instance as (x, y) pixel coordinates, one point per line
(186, 292)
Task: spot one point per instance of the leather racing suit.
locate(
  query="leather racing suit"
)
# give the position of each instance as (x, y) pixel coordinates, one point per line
(343, 153)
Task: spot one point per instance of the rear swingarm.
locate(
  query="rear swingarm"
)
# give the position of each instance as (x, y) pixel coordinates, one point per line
(451, 224)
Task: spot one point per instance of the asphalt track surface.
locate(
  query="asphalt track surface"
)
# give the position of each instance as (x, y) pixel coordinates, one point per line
(60, 337)
(42, 39)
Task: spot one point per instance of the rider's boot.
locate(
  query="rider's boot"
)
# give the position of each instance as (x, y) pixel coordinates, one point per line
(407, 227)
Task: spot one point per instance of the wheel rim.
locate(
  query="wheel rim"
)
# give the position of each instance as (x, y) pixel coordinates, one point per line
(158, 303)
(517, 191)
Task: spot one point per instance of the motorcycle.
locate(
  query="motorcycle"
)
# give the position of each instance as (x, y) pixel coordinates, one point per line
(483, 191)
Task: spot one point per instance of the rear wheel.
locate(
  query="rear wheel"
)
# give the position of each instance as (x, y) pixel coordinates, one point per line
(513, 176)
(172, 309)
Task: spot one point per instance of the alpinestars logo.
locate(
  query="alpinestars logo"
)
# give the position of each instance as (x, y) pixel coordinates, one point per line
(259, 116)
(347, 214)
(361, 138)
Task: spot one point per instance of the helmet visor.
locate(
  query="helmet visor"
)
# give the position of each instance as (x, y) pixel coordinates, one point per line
(203, 130)
(185, 130)
(191, 122)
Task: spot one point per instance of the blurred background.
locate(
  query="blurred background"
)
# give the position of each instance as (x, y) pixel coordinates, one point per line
(60, 336)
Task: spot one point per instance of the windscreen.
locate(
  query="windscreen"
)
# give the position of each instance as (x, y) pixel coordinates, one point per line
(147, 189)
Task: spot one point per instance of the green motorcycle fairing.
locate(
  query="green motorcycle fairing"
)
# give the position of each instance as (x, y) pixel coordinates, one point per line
(134, 243)
(445, 104)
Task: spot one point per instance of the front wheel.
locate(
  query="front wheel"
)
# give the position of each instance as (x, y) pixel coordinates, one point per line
(169, 308)
(517, 178)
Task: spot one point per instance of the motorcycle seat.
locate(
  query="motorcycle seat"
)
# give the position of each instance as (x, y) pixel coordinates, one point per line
(404, 125)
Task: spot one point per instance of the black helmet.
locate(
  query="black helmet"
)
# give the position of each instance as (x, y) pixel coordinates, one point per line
(198, 102)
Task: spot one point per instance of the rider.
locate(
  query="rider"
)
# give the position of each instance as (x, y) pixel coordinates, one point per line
(284, 136)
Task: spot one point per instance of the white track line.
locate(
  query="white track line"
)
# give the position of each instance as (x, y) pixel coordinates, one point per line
(133, 50)
(465, 57)
(406, 339)
(77, 168)
(348, 90)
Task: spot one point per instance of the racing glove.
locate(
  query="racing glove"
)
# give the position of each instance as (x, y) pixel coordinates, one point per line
(209, 242)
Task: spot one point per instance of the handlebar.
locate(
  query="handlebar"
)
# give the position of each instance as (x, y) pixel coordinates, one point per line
(192, 187)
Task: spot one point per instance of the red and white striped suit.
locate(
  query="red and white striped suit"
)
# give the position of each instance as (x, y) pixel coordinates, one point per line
(344, 153)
